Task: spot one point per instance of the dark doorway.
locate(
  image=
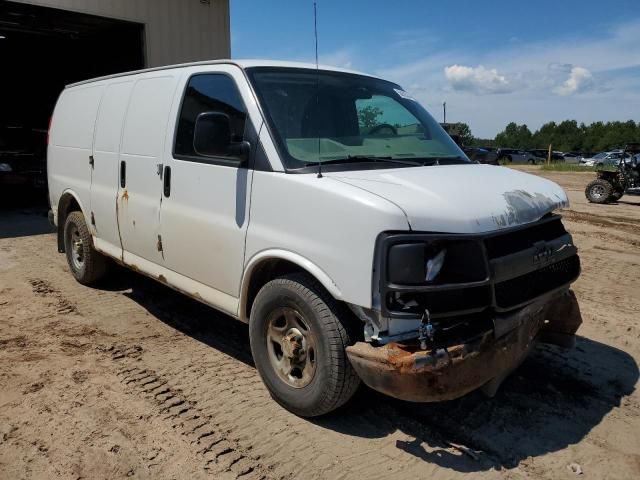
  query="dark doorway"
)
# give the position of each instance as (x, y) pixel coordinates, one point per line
(41, 50)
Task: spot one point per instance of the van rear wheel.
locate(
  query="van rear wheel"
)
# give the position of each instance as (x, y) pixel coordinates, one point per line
(298, 343)
(86, 264)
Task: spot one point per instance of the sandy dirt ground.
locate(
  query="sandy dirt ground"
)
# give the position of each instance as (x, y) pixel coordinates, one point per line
(134, 380)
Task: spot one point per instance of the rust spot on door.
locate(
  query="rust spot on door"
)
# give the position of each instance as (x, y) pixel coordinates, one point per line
(162, 278)
(125, 195)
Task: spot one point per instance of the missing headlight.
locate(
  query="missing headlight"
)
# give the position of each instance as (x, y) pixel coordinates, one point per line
(437, 262)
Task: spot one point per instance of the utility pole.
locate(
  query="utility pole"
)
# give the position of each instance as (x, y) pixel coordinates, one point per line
(444, 110)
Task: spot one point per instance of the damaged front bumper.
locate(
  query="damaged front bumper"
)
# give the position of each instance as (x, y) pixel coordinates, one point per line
(404, 371)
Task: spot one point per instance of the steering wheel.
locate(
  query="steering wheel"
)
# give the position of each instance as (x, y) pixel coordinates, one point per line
(382, 126)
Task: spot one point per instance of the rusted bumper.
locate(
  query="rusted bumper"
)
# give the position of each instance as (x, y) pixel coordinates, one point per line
(404, 371)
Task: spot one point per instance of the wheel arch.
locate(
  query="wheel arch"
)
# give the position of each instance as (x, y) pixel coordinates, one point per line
(68, 203)
(265, 266)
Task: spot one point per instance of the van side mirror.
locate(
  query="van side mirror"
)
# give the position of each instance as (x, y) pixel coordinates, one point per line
(212, 138)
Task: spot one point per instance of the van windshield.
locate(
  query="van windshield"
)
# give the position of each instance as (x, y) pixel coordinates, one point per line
(348, 121)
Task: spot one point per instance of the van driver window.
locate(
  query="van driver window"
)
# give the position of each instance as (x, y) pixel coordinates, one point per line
(209, 93)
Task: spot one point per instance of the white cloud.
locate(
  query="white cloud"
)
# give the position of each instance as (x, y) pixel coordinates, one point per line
(477, 79)
(339, 58)
(545, 80)
(580, 80)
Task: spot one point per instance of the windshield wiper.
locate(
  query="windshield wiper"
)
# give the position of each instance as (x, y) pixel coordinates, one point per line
(430, 161)
(367, 158)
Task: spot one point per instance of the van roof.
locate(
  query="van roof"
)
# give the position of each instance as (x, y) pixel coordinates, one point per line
(239, 63)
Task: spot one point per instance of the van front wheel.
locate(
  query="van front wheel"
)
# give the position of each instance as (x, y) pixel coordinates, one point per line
(298, 344)
(86, 264)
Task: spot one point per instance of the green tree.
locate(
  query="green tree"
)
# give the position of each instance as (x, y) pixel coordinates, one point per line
(514, 136)
(568, 135)
(565, 136)
(466, 137)
(368, 116)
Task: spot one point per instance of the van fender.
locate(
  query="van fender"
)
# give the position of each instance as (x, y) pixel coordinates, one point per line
(292, 257)
(68, 196)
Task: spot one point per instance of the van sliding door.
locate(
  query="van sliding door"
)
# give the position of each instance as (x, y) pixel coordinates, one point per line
(105, 160)
(140, 168)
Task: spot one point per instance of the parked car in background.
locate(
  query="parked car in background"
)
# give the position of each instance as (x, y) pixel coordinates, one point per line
(603, 159)
(513, 155)
(540, 155)
(481, 155)
(557, 156)
(22, 157)
(573, 157)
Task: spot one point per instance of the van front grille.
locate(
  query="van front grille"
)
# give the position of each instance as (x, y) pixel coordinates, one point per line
(533, 284)
(519, 272)
(501, 244)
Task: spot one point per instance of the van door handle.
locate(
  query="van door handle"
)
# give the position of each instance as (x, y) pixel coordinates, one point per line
(166, 181)
(123, 174)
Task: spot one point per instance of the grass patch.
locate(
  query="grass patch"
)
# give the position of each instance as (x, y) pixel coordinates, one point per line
(566, 167)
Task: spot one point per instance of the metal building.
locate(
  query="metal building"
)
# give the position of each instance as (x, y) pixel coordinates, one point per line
(46, 44)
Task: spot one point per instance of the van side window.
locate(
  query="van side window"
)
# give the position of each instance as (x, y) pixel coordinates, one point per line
(208, 93)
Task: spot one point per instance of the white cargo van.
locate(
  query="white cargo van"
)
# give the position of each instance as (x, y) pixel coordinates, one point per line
(328, 210)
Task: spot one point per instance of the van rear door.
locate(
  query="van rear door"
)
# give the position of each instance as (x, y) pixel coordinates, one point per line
(70, 148)
(140, 168)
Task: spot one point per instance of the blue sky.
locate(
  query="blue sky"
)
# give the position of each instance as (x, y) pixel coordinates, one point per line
(492, 62)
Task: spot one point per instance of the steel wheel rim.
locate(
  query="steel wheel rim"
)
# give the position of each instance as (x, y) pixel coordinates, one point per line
(77, 248)
(597, 191)
(291, 347)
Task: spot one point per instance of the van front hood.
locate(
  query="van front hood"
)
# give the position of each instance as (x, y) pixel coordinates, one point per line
(461, 198)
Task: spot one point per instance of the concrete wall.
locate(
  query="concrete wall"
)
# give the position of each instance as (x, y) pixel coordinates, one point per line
(176, 31)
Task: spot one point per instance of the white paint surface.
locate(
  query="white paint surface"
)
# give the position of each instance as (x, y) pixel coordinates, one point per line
(221, 222)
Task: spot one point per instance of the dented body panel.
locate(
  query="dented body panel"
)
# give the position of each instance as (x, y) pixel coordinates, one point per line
(461, 198)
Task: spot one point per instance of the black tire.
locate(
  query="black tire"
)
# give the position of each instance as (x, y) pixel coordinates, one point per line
(334, 380)
(598, 191)
(86, 264)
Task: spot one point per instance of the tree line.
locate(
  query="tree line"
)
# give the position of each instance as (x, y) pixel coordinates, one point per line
(565, 136)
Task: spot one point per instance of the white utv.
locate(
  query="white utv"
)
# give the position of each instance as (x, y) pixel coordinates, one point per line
(325, 208)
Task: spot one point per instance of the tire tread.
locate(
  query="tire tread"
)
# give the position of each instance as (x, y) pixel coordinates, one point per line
(608, 191)
(95, 263)
(343, 381)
